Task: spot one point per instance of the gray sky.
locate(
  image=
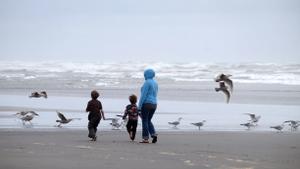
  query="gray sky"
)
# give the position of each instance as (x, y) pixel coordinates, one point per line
(156, 30)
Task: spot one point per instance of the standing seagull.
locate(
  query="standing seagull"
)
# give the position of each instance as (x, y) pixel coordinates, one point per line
(224, 89)
(175, 123)
(294, 124)
(199, 124)
(114, 123)
(248, 125)
(278, 127)
(63, 119)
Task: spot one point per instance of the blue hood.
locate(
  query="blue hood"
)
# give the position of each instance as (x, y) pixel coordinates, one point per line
(149, 74)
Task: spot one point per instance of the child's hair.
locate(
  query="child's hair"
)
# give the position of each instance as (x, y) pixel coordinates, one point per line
(132, 99)
(94, 94)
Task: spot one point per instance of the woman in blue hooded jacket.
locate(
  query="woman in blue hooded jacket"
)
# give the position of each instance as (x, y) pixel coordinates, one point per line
(147, 105)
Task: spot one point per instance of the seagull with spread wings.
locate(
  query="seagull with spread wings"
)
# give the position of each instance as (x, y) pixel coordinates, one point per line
(225, 78)
(63, 119)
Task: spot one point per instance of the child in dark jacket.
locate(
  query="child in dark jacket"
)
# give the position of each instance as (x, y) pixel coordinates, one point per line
(94, 107)
(132, 112)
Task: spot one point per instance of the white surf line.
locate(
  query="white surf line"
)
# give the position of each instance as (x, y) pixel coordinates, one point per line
(188, 162)
(240, 161)
(170, 153)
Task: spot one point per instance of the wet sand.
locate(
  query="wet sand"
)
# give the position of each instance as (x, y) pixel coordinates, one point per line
(64, 149)
(270, 94)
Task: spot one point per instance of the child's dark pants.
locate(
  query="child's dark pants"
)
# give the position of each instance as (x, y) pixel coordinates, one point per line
(94, 120)
(131, 127)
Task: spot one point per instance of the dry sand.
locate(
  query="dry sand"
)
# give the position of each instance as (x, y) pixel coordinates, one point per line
(64, 149)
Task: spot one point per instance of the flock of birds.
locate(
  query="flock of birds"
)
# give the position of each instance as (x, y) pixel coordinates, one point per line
(254, 119)
(177, 122)
(28, 116)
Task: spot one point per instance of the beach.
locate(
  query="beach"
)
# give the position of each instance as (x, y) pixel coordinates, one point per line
(227, 75)
(221, 143)
(217, 150)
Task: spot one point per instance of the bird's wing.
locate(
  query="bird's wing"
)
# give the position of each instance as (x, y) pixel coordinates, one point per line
(257, 117)
(61, 116)
(33, 112)
(114, 120)
(227, 94)
(229, 82)
(219, 77)
(196, 124)
(252, 116)
(287, 121)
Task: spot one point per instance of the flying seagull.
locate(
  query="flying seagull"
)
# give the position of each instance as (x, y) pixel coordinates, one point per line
(224, 89)
(23, 113)
(63, 119)
(26, 116)
(199, 124)
(225, 78)
(175, 123)
(38, 95)
(254, 118)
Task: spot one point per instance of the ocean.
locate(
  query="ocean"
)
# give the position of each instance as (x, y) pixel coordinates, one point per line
(126, 75)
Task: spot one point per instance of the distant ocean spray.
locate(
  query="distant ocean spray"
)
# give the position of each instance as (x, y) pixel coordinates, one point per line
(84, 75)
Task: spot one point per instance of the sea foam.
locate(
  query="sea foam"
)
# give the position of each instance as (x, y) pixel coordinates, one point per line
(116, 74)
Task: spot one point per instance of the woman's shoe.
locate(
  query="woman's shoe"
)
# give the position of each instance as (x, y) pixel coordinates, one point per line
(144, 141)
(154, 140)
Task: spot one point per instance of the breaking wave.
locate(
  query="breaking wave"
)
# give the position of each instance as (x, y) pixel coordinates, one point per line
(117, 74)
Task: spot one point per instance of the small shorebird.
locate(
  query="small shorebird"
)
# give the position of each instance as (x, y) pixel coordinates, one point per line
(222, 87)
(199, 124)
(225, 78)
(294, 124)
(248, 125)
(38, 95)
(115, 123)
(278, 127)
(63, 119)
(175, 123)
(254, 118)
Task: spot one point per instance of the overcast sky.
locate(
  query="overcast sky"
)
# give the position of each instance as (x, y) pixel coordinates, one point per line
(154, 30)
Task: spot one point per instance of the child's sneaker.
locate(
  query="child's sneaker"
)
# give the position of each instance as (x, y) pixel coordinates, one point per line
(94, 138)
